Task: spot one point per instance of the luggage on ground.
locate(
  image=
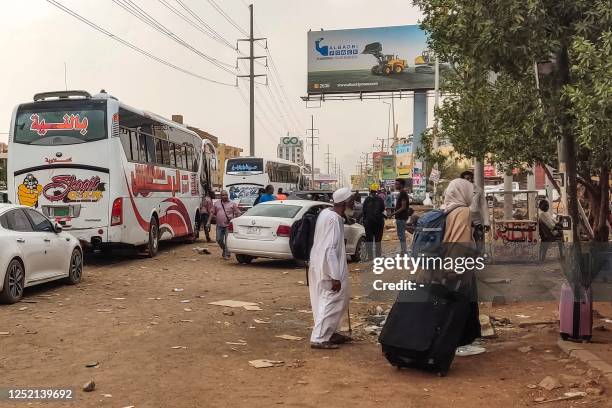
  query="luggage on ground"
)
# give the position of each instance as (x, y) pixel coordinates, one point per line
(575, 313)
(425, 327)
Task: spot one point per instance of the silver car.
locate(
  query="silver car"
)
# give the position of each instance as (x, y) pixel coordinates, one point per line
(34, 250)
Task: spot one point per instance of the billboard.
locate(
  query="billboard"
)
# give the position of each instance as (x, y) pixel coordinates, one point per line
(370, 60)
(403, 160)
(388, 167)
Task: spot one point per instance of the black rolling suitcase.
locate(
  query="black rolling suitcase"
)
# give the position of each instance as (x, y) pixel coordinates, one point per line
(425, 327)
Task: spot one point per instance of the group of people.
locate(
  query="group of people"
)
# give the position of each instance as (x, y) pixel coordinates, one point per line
(377, 208)
(328, 277)
(225, 210)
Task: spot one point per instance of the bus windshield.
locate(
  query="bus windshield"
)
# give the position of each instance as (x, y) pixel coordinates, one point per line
(60, 122)
(245, 165)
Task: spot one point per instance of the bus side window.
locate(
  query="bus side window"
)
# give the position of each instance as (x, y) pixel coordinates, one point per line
(149, 146)
(172, 156)
(159, 157)
(180, 157)
(166, 152)
(124, 135)
(189, 155)
(134, 144)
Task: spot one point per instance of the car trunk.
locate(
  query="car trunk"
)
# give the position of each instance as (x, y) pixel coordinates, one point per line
(258, 228)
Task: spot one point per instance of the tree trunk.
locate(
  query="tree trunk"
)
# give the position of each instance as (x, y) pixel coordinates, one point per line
(601, 228)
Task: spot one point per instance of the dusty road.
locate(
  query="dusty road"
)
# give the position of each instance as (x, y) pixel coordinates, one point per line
(129, 313)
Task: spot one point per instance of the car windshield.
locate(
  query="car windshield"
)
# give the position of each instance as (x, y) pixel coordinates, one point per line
(274, 211)
(247, 200)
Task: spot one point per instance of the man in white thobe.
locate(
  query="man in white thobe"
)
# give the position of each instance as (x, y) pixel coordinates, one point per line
(328, 274)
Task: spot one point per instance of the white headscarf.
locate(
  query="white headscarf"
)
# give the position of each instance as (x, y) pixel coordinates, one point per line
(459, 193)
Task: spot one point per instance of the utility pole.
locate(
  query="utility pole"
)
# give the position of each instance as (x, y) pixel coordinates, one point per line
(251, 77)
(312, 138)
(328, 160)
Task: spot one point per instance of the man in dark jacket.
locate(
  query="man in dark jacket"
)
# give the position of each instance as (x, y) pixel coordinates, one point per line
(374, 221)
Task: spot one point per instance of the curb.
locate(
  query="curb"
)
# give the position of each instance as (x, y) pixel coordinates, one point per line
(577, 351)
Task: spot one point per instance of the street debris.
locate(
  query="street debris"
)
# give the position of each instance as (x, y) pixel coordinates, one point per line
(525, 349)
(21, 309)
(4, 333)
(186, 321)
(264, 363)
(118, 298)
(178, 347)
(89, 386)
(236, 343)
(228, 312)
(496, 280)
(252, 308)
(107, 395)
(232, 303)
(188, 309)
(566, 397)
(289, 337)
(201, 251)
(186, 301)
(550, 383)
(260, 321)
(178, 290)
(92, 364)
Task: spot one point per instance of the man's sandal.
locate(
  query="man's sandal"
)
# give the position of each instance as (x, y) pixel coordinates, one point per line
(326, 345)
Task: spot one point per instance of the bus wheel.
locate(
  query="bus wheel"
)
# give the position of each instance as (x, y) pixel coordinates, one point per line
(196, 227)
(153, 245)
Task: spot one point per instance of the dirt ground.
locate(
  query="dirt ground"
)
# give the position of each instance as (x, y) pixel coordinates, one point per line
(129, 312)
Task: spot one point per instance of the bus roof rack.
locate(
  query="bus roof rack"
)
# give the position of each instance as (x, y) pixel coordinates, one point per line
(60, 95)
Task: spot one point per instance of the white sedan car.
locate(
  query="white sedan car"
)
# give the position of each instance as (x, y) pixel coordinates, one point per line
(33, 250)
(264, 230)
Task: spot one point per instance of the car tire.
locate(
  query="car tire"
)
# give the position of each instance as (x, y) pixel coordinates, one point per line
(153, 244)
(244, 259)
(14, 282)
(361, 251)
(75, 271)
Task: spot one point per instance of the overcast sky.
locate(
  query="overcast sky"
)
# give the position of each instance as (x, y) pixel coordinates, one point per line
(37, 39)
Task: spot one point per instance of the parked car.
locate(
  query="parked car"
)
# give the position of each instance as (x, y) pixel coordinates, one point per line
(264, 230)
(34, 250)
(245, 203)
(3, 197)
(324, 196)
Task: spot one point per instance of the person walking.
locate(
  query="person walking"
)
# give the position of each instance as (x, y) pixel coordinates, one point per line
(389, 202)
(268, 194)
(328, 274)
(205, 211)
(374, 222)
(549, 229)
(401, 213)
(280, 195)
(260, 192)
(224, 211)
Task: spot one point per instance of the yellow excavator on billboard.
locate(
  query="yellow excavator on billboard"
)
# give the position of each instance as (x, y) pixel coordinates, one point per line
(387, 64)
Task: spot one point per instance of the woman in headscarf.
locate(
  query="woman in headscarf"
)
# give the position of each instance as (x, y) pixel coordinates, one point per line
(459, 242)
(457, 200)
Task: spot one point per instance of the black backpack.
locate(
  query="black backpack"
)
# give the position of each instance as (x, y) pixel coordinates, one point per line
(302, 236)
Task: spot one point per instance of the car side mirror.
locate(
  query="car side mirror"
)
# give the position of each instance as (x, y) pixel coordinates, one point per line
(57, 228)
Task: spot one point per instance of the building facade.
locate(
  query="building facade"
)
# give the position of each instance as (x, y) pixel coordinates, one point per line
(291, 148)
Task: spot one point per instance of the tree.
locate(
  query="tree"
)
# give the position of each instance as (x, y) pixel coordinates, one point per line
(497, 106)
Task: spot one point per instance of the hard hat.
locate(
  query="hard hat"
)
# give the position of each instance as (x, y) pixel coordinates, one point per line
(374, 187)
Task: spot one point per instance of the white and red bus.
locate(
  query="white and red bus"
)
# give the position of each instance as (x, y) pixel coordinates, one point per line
(109, 173)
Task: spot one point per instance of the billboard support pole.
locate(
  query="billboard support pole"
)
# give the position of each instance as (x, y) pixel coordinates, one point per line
(312, 138)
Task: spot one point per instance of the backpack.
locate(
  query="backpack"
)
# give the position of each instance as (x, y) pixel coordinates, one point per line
(302, 237)
(429, 233)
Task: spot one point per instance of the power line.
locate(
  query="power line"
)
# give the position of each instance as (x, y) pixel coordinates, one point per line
(132, 46)
(227, 17)
(208, 31)
(199, 19)
(142, 15)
